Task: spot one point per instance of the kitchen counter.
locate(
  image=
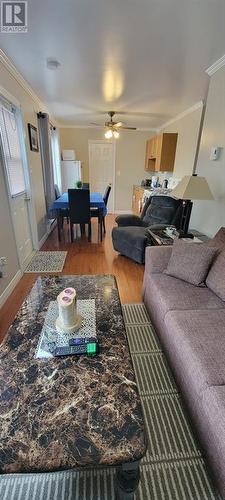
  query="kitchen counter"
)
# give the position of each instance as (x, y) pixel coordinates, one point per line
(159, 190)
(141, 193)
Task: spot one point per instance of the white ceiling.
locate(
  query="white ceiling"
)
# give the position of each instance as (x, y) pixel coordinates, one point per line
(145, 57)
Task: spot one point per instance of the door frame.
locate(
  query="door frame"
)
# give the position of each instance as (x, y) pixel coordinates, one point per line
(28, 192)
(106, 141)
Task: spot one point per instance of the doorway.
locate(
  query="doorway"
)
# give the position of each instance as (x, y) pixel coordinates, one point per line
(102, 168)
(16, 180)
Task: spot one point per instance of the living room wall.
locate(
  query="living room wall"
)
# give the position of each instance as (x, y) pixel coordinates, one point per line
(10, 84)
(209, 216)
(130, 158)
(29, 110)
(187, 126)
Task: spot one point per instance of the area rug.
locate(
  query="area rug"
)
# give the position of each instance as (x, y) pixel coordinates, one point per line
(47, 262)
(173, 468)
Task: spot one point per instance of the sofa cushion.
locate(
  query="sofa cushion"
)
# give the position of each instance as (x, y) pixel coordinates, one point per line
(213, 430)
(218, 240)
(161, 210)
(195, 341)
(164, 293)
(216, 277)
(190, 261)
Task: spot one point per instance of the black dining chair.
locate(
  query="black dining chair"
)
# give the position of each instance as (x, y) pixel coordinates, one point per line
(105, 198)
(95, 212)
(85, 185)
(79, 210)
(63, 212)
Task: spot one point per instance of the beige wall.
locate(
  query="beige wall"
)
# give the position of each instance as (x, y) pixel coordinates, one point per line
(209, 216)
(130, 158)
(187, 128)
(29, 111)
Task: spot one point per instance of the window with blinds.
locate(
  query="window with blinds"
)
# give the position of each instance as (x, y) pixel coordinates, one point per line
(12, 152)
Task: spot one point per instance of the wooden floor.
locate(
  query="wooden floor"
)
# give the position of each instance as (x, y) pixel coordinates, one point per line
(82, 258)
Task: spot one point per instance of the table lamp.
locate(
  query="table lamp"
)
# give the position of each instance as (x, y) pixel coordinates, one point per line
(191, 187)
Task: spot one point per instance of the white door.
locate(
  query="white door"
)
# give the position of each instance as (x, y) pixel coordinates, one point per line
(102, 168)
(21, 224)
(17, 184)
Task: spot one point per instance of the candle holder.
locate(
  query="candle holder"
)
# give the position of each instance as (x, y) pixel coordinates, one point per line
(68, 320)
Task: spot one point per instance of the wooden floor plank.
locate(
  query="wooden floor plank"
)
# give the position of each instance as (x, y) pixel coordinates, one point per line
(83, 258)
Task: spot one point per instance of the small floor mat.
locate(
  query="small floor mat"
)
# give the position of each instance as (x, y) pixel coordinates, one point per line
(47, 262)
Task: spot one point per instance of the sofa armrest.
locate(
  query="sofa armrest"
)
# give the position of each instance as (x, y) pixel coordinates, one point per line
(157, 258)
(129, 220)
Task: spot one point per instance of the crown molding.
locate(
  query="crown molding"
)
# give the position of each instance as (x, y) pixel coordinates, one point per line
(216, 66)
(7, 63)
(139, 129)
(65, 125)
(146, 129)
(188, 111)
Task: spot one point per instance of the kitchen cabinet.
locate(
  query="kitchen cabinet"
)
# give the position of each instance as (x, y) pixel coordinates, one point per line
(160, 152)
(137, 200)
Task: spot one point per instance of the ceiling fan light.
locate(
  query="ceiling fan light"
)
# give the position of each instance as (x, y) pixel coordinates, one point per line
(116, 134)
(108, 134)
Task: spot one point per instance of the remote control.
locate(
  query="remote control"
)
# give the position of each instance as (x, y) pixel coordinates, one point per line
(82, 340)
(90, 348)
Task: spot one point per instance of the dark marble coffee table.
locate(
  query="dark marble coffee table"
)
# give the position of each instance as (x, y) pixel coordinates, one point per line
(76, 411)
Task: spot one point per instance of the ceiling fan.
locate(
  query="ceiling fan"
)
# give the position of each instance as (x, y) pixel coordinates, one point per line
(112, 127)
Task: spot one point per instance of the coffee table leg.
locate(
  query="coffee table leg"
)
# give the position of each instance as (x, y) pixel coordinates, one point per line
(127, 479)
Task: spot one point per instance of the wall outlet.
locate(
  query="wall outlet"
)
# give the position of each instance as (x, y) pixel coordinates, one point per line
(3, 261)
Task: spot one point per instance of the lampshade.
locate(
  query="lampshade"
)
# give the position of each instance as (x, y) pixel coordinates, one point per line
(192, 187)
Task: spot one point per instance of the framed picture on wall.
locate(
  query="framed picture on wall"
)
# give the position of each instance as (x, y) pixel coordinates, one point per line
(33, 137)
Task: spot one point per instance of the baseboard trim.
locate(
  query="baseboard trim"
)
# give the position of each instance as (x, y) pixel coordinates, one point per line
(121, 212)
(43, 240)
(10, 287)
(46, 235)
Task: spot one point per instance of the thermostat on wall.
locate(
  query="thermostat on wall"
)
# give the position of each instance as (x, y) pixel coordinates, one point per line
(215, 151)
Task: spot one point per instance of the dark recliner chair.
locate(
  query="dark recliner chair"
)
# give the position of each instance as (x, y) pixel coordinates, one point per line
(130, 237)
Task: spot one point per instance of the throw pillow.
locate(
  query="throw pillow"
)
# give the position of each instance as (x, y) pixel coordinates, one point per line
(216, 277)
(190, 261)
(218, 240)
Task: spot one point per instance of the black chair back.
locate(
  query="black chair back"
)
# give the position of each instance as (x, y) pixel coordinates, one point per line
(106, 194)
(85, 185)
(57, 192)
(79, 206)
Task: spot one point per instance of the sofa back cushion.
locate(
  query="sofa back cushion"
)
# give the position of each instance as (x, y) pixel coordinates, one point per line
(216, 277)
(218, 240)
(160, 210)
(190, 261)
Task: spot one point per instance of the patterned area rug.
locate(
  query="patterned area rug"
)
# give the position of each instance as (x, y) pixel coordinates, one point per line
(47, 262)
(173, 468)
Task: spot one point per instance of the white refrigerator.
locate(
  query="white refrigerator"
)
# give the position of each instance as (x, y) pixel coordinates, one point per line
(71, 173)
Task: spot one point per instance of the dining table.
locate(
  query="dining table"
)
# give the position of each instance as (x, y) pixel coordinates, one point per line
(61, 203)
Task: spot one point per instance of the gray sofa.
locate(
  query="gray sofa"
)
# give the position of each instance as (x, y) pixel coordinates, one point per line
(190, 322)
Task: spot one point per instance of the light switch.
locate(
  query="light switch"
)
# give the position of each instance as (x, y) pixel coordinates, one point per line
(215, 151)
